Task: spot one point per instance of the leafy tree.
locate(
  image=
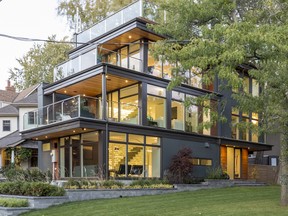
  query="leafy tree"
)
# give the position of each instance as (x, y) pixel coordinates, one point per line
(181, 166)
(38, 64)
(89, 11)
(219, 36)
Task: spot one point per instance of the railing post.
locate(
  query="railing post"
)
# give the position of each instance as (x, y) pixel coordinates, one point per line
(104, 99)
(79, 106)
(141, 8)
(47, 115)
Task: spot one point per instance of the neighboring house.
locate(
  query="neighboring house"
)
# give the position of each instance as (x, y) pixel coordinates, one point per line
(11, 125)
(109, 110)
(7, 95)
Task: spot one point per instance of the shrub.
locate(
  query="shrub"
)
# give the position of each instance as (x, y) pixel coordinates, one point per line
(148, 182)
(216, 173)
(13, 173)
(181, 166)
(81, 184)
(13, 202)
(30, 189)
(111, 184)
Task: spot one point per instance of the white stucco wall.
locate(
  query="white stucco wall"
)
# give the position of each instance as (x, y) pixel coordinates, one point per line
(13, 125)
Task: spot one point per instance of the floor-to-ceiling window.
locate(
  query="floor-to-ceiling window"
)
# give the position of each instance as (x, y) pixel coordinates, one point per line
(123, 105)
(79, 155)
(192, 116)
(133, 155)
(156, 106)
(177, 110)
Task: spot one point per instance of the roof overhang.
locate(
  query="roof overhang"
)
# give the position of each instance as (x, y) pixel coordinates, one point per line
(251, 146)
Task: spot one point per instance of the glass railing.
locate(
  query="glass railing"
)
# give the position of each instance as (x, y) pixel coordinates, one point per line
(78, 106)
(126, 14)
(81, 106)
(90, 59)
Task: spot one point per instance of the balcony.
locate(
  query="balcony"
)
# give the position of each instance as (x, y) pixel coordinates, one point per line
(90, 59)
(81, 106)
(140, 8)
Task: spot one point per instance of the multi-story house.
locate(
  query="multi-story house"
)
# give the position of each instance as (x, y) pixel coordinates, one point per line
(109, 110)
(11, 125)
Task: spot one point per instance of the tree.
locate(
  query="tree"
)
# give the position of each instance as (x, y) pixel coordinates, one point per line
(181, 166)
(38, 64)
(217, 37)
(89, 11)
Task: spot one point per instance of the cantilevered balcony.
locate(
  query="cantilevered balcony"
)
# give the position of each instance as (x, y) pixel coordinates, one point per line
(84, 107)
(140, 8)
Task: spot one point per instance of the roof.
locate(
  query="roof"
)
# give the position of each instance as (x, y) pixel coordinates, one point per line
(8, 110)
(26, 92)
(15, 139)
(7, 96)
(11, 139)
(31, 99)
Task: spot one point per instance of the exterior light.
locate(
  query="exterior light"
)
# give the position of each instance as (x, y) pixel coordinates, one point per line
(74, 131)
(129, 36)
(65, 91)
(46, 137)
(126, 81)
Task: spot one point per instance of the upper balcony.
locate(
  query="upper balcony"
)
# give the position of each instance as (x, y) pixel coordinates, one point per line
(135, 9)
(81, 106)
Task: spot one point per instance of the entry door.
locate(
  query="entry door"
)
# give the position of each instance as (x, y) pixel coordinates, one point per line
(237, 163)
(233, 163)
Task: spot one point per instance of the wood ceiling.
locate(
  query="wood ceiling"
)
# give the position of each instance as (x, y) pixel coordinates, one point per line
(93, 86)
(126, 38)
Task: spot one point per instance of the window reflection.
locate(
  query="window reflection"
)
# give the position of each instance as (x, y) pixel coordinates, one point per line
(129, 160)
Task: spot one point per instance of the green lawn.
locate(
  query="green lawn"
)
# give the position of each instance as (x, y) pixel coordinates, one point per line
(229, 201)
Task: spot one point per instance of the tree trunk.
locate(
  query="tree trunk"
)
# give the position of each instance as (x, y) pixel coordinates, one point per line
(284, 168)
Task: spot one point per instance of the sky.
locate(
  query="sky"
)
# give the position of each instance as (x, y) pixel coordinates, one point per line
(26, 18)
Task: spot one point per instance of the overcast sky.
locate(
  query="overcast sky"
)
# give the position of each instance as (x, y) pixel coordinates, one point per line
(26, 18)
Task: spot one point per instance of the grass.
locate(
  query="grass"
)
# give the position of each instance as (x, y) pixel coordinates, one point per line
(227, 201)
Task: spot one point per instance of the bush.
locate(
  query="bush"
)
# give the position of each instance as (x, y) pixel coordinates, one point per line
(30, 189)
(216, 173)
(111, 184)
(13, 173)
(181, 166)
(13, 202)
(148, 182)
(80, 184)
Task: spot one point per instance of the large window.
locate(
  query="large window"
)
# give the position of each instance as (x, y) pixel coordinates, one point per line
(133, 155)
(156, 106)
(244, 119)
(123, 105)
(79, 155)
(177, 111)
(6, 125)
(127, 56)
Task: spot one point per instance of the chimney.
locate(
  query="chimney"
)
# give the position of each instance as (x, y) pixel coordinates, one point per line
(9, 87)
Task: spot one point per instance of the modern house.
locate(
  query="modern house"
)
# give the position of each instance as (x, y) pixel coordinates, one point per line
(109, 110)
(11, 124)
